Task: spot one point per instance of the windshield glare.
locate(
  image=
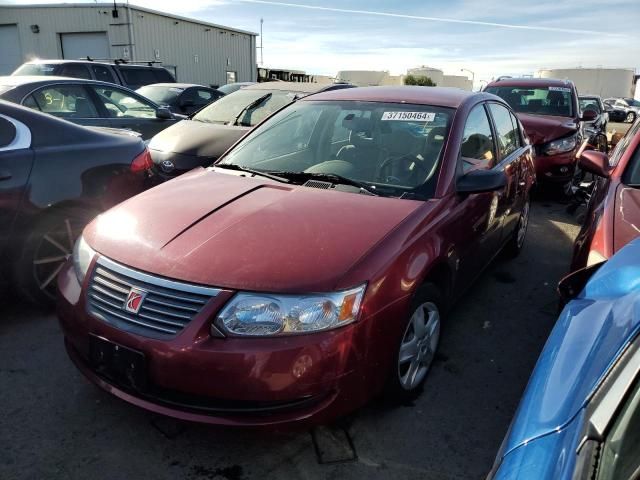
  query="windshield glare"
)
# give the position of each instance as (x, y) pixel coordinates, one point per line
(537, 101)
(393, 148)
(35, 69)
(160, 95)
(229, 107)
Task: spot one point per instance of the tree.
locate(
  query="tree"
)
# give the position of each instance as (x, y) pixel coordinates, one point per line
(421, 80)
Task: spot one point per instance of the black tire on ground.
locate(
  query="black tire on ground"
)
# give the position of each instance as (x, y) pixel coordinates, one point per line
(515, 245)
(429, 298)
(630, 118)
(44, 251)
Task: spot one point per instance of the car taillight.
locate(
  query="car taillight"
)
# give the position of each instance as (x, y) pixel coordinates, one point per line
(142, 162)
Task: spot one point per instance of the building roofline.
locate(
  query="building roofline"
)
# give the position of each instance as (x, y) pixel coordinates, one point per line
(133, 7)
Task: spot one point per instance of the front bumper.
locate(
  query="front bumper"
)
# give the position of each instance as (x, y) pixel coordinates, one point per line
(555, 168)
(304, 379)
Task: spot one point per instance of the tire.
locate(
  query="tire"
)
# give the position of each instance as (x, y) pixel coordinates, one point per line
(411, 364)
(516, 243)
(631, 116)
(44, 252)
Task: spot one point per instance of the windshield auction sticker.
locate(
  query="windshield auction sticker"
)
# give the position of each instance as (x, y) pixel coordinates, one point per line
(409, 116)
(559, 89)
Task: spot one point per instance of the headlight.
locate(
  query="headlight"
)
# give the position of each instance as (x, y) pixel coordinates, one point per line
(255, 314)
(562, 145)
(82, 256)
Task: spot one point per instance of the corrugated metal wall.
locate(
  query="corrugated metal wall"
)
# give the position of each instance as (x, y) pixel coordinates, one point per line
(201, 53)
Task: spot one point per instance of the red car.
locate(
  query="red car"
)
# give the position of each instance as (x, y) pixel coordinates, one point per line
(310, 267)
(613, 215)
(550, 113)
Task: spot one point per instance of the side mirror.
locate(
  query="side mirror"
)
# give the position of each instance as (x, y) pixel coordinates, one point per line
(595, 162)
(163, 113)
(479, 181)
(571, 285)
(589, 115)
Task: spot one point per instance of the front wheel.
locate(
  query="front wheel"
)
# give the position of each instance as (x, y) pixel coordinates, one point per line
(631, 116)
(516, 244)
(417, 347)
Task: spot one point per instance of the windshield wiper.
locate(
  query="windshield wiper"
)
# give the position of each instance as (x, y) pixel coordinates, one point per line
(251, 106)
(331, 177)
(232, 166)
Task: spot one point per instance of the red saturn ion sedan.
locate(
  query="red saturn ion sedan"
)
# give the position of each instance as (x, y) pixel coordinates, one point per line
(309, 268)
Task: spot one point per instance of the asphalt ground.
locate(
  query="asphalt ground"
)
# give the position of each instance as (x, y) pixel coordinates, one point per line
(55, 425)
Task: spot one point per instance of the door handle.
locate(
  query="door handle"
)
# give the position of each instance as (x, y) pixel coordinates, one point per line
(5, 175)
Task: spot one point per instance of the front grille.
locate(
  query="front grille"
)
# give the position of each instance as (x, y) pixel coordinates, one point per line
(165, 310)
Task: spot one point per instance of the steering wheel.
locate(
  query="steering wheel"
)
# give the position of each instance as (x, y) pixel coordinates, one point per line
(409, 163)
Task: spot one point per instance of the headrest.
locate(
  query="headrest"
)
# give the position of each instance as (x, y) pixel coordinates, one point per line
(356, 124)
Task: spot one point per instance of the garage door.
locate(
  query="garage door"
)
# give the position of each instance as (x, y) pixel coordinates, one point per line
(81, 45)
(10, 51)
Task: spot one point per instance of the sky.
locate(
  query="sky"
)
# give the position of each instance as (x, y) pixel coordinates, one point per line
(488, 37)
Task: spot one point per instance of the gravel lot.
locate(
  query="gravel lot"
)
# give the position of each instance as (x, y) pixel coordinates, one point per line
(55, 425)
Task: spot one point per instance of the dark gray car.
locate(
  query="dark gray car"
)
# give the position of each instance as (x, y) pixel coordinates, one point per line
(181, 98)
(89, 103)
(204, 136)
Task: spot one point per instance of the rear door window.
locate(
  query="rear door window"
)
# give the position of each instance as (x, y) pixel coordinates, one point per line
(74, 70)
(138, 77)
(163, 76)
(477, 150)
(65, 101)
(506, 131)
(103, 73)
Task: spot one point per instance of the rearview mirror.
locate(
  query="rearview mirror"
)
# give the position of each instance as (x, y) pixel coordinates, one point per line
(478, 181)
(163, 113)
(187, 103)
(589, 115)
(595, 162)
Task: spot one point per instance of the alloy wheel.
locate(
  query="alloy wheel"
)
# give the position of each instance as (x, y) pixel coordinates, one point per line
(52, 251)
(419, 345)
(630, 117)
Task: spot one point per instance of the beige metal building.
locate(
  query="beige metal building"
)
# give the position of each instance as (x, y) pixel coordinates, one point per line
(606, 82)
(195, 51)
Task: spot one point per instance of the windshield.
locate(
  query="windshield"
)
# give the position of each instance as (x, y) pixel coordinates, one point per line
(231, 87)
(160, 95)
(590, 104)
(35, 69)
(537, 101)
(391, 149)
(234, 106)
(632, 103)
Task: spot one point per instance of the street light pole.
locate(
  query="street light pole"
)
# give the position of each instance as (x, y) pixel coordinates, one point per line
(261, 47)
(473, 75)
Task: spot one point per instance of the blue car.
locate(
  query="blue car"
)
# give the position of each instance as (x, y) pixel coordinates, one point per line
(579, 417)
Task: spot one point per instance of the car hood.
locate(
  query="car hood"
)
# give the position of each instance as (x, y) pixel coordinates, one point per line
(589, 336)
(195, 138)
(246, 233)
(545, 128)
(627, 216)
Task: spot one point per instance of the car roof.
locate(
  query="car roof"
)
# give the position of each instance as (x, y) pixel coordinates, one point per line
(177, 85)
(588, 338)
(301, 87)
(56, 61)
(530, 82)
(435, 96)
